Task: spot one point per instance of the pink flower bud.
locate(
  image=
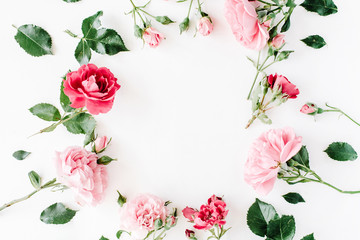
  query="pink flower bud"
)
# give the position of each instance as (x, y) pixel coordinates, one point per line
(278, 41)
(189, 233)
(309, 108)
(205, 26)
(152, 37)
(100, 144)
(189, 213)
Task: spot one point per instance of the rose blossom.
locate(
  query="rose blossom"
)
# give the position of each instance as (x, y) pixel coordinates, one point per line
(278, 41)
(244, 23)
(205, 26)
(78, 169)
(287, 88)
(189, 213)
(100, 144)
(138, 215)
(308, 108)
(152, 37)
(92, 87)
(266, 155)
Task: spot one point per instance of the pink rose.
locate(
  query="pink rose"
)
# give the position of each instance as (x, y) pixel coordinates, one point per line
(139, 215)
(189, 213)
(278, 41)
(244, 23)
(266, 155)
(205, 26)
(152, 37)
(100, 144)
(92, 87)
(308, 109)
(78, 169)
(287, 88)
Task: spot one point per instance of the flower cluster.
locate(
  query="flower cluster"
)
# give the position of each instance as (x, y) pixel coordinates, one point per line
(147, 215)
(211, 216)
(272, 91)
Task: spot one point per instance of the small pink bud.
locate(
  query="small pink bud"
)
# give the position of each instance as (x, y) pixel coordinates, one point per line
(278, 41)
(205, 26)
(152, 37)
(189, 233)
(309, 108)
(100, 144)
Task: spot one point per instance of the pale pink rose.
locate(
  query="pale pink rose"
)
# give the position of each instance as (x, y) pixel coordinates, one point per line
(278, 41)
(307, 109)
(77, 168)
(205, 26)
(152, 37)
(266, 154)
(138, 215)
(246, 27)
(100, 144)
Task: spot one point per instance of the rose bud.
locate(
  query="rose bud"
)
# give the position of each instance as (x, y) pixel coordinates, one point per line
(189, 213)
(101, 144)
(277, 82)
(205, 26)
(278, 41)
(152, 37)
(311, 109)
(190, 234)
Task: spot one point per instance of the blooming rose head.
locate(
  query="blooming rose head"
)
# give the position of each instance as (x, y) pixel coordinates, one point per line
(152, 37)
(244, 23)
(139, 215)
(278, 41)
(100, 144)
(205, 26)
(189, 234)
(266, 155)
(189, 213)
(310, 109)
(78, 169)
(287, 88)
(92, 87)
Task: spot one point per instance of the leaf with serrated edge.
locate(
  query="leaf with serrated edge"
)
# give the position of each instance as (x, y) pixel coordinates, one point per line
(314, 41)
(282, 228)
(34, 40)
(309, 237)
(302, 157)
(92, 22)
(64, 100)
(322, 7)
(57, 214)
(82, 52)
(341, 151)
(46, 112)
(105, 41)
(258, 217)
(293, 198)
(81, 124)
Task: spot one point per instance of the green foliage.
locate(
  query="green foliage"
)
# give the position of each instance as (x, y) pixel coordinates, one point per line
(341, 151)
(57, 214)
(21, 154)
(82, 123)
(35, 179)
(282, 228)
(293, 198)
(314, 41)
(322, 7)
(46, 112)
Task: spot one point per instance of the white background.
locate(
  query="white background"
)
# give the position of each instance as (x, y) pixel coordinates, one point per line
(178, 121)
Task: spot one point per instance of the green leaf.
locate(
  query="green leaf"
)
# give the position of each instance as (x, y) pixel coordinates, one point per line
(82, 52)
(322, 7)
(283, 55)
(341, 151)
(71, 1)
(103, 238)
(165, 20)
(35, 179)
(285, 27)
(291, 4)
(184, 25)
(138, 31)
(258, 217)
(121, 199)
(105, 160)
(64, 100)
(21, 154)
(158, 224)
(92, 22)
(293, 198)
(46, 112)
(83, 123)
(309, 237)
(89, 138)
(120, 232)
(314, 41)
(105, 41)
(282, 228)
(264, 118)
(302, 157)
(57, 214)
(34, 40)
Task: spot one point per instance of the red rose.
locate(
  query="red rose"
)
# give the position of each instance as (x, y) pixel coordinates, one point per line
(287, 88)
(92, 87)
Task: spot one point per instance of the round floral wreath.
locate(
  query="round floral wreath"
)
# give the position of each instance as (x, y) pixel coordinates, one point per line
(277, 154)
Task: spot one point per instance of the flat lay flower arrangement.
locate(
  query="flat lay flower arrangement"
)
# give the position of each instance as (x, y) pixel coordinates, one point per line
(88, 157)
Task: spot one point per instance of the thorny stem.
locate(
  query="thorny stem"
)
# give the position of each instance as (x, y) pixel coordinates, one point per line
(49, 184)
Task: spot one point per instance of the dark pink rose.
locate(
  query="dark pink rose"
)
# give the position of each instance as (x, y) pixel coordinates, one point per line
(189, 233)
(189, 213)
(91, 87)
(287, 88)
